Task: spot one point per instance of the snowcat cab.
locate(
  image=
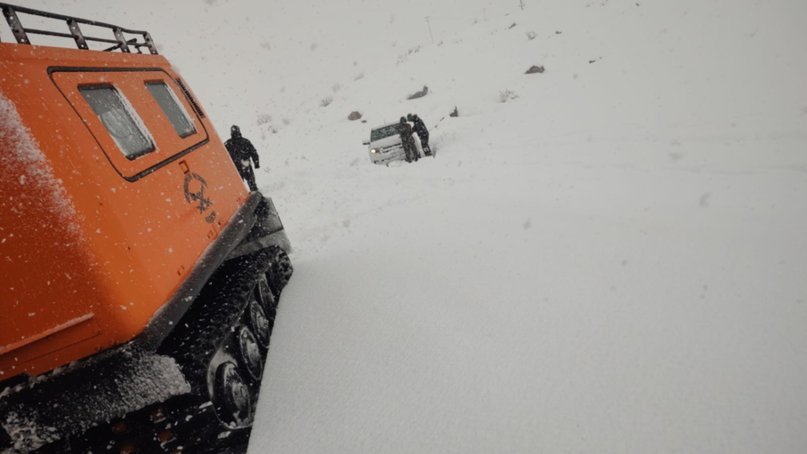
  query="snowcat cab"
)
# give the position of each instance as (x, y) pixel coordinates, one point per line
(140, 277)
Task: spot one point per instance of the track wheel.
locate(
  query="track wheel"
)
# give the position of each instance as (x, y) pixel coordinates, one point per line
(259, 323)
(280, 271)
(249, 353)
(234, 398)
(264, 295)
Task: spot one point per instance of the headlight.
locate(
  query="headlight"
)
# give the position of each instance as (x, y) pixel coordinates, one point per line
(373, 150)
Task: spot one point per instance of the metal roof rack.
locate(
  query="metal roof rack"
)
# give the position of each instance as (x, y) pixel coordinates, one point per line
(120, 41)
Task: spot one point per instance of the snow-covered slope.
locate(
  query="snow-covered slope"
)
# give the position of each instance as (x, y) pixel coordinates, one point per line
(612, 261)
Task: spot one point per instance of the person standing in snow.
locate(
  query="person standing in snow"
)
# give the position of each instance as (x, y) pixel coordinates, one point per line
(410, 149)
(420, 129)
(243, 154)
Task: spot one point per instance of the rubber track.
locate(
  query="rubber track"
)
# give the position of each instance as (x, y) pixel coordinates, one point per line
(213, 316)
(206, 325)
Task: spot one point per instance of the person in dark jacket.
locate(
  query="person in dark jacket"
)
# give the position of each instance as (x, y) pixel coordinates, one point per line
(408, 142)
(420, 129)
(243, 154)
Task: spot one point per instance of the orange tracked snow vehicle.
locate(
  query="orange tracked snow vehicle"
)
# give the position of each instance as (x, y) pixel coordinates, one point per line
(139, 276)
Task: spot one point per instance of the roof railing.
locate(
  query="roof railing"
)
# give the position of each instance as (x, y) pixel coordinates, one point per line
(120, 41)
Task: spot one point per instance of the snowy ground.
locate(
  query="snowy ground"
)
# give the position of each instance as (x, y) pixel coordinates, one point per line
(613, 261)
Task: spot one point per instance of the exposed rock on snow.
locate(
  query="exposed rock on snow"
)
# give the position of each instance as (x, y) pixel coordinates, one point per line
(419, 94)
(507, 95)
(535, 69)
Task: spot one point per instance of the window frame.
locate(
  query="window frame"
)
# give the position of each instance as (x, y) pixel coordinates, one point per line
(129, 80)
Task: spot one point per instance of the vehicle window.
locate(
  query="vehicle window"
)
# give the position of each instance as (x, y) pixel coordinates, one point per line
(123, 124)
(169, 103)
(386, 131)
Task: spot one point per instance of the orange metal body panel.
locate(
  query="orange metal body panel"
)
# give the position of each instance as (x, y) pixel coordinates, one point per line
(93, 244)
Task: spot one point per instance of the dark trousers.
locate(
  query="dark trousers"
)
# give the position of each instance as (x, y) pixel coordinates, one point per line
(424, 141)
(410, 149)
(248, 175)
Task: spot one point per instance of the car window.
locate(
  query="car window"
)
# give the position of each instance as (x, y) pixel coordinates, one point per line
(119, 119)
(169, 103)
(386, 131)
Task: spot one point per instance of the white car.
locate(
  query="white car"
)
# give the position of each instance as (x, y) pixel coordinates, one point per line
(385, 145)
